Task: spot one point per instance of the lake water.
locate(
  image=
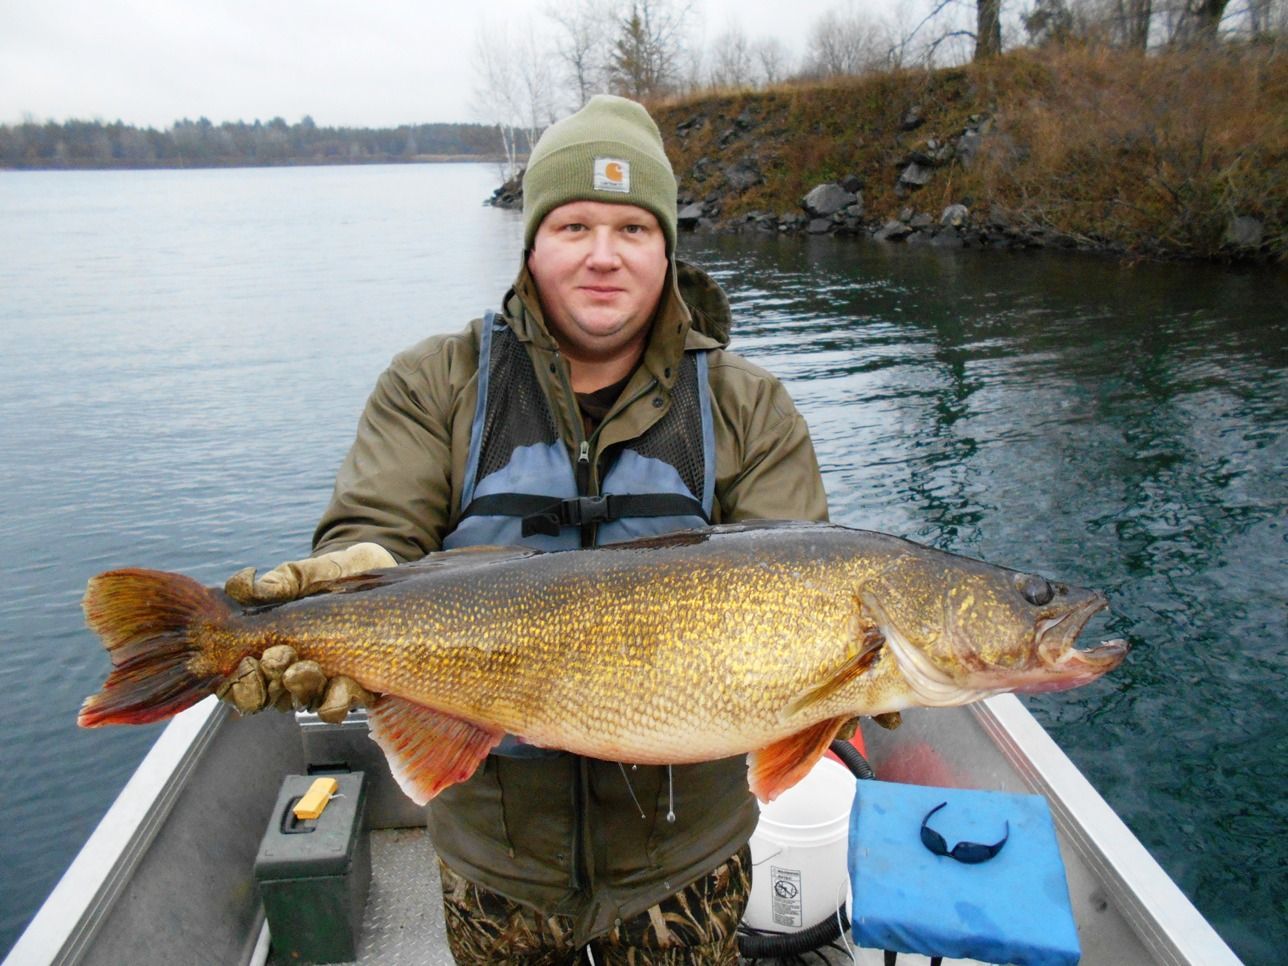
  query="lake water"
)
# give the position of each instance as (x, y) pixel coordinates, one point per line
(185, 354)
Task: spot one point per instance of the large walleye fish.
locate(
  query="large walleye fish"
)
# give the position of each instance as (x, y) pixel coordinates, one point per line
(759, 638)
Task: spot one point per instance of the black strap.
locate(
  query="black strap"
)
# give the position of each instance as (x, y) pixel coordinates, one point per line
(544, 515)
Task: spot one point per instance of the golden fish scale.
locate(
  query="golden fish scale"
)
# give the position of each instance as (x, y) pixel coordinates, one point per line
(647, 657)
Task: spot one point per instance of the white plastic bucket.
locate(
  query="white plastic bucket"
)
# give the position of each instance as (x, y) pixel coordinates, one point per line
(798, 852)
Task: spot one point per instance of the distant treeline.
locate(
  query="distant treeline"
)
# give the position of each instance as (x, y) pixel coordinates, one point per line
(200, 143)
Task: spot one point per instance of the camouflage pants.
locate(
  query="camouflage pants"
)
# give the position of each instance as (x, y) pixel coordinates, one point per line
(696, 926)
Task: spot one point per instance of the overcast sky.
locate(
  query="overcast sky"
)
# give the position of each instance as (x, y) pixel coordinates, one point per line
(363, 63)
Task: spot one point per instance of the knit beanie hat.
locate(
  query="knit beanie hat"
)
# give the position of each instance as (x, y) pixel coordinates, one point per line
(610, 151)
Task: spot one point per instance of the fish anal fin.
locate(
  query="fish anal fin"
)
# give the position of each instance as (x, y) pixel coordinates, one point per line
(867, 650)
(776, 768)
(427, 749)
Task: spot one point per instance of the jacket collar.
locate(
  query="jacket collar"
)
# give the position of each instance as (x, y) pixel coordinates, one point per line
(693, 314)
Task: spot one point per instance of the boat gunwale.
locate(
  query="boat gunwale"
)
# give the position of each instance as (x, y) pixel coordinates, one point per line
(1162, 916)
(105, 863)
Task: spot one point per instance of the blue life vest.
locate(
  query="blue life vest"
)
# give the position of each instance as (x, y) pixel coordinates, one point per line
(521, 487)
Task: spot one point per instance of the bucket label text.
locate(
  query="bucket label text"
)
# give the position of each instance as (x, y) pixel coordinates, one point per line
(785, 885)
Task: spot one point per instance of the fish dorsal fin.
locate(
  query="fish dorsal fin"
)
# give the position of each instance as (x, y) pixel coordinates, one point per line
(773, 770)
(697, 535)
(868, 642)
(456, 561)
(427, 749)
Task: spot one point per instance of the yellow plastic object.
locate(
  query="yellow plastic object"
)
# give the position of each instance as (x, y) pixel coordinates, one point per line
(313, 802)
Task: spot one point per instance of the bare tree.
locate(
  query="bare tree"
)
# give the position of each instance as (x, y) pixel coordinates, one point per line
(515, 87)
(493, 94)
(988, 28)
(772, 59)
(1049, 22)
(1206, 16)
(1192, 21)
(733, 62)
(844, 43)
(646, 55)
(1134, 18)
(1260, 14)
(927, 47)
(585, 31)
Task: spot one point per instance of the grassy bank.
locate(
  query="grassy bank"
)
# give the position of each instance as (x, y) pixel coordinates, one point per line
(1148, 155)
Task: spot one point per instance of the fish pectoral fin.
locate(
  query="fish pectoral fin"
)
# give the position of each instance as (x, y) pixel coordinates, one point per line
(870, 642)
(427, 749)
(773, 770)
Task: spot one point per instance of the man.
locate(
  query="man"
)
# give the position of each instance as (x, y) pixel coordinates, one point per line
(595, 407)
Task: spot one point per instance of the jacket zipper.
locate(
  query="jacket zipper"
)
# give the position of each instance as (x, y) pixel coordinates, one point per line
(584, 469)
(587, 485)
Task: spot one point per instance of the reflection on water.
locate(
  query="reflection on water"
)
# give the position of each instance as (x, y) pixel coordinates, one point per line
(1121, 428)
(185, 354)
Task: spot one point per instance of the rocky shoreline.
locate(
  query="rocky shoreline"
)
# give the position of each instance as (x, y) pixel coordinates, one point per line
(838, 208)
(1171, 156)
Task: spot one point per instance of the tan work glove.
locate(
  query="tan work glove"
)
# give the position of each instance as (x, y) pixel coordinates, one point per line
(278, 679)
(299, 578)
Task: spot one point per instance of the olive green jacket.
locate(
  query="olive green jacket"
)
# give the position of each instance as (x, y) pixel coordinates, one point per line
(573, 836)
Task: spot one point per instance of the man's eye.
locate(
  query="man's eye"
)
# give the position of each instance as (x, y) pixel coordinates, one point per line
(635, 229)
(575, 226)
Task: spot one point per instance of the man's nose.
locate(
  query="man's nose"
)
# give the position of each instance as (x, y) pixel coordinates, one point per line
(603, 249)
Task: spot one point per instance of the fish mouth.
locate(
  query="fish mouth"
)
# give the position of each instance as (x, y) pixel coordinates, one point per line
(1053, 661)
(1061, 664)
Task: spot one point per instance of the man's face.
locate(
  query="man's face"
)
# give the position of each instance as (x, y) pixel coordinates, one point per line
(599, 268)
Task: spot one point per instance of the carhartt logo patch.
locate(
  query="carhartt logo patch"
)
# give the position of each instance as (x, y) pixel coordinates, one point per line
(612, 174)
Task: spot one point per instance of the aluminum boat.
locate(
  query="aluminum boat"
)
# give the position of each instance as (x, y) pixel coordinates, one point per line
(167, 877)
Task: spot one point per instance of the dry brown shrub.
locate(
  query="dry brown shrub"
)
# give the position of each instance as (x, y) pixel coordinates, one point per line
(1148, 154)
(1151, 153)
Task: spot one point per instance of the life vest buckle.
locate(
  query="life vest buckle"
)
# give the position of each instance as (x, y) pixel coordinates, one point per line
(589, 509)
(581, 511)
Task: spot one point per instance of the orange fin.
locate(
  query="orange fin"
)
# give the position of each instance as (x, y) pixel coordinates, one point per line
(427, 749)
(148, 621)
(777, 768)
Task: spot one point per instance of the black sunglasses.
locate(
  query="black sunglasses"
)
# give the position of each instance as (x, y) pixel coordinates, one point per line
(968, 852)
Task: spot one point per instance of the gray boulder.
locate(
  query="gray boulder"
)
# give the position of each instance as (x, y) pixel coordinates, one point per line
(827, 199)
(893, 231)
(955, 215)
(1244, 231)
(688, 216)
(915, 175)
(968, 147)
(743, 175)
(824, 200)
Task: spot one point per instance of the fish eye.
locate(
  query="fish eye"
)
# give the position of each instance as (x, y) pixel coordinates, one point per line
(1034, 589)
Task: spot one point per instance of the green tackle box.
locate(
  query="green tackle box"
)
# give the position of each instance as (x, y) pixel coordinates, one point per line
(313, 875)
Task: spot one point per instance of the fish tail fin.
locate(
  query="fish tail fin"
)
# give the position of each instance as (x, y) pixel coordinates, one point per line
(147, 620)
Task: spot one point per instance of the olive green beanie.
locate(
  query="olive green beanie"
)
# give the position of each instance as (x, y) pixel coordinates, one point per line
(610, 151)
